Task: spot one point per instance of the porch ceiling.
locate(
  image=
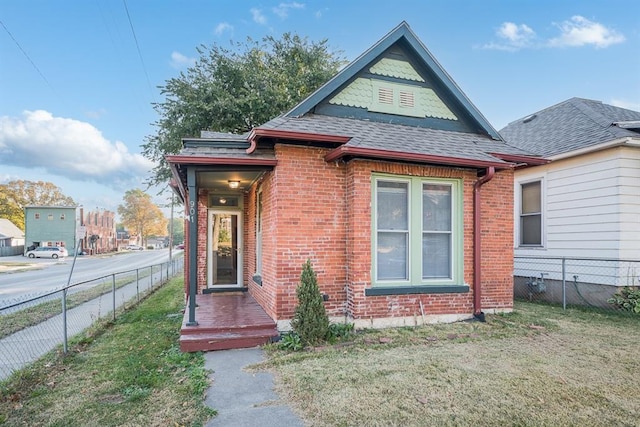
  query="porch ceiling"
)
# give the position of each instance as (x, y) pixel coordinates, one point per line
(219, 180)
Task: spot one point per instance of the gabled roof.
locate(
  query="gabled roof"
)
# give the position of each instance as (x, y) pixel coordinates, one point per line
(401, 33)
(9, 229)
(574, 124)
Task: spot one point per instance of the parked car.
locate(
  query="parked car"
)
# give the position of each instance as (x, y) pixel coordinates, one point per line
(48, 252)
(134, 248)
(180, 246)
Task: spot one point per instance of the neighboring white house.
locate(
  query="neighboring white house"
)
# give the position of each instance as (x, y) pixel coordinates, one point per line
(584, 203)
(10, 235)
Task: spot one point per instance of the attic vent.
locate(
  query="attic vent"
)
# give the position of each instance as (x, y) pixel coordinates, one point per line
(385, 95)
(529, 118)
(407, 99)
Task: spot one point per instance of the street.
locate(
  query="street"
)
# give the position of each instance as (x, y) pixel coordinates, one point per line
(53, 274)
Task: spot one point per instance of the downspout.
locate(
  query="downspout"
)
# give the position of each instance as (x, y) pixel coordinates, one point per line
(477, 242)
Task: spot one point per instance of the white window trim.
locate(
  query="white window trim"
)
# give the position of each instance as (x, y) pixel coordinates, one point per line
(518, 211)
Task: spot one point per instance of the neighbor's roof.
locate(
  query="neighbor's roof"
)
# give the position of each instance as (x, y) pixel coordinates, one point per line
(9, 229)
(571, 125)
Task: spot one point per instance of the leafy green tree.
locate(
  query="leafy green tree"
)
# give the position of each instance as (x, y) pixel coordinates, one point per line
(234, 89)
(141, 216)
(15, 195)
(310, 320)
(178, 230)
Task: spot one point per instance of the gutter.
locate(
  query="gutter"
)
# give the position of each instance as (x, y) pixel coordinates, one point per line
(374, 153)
(477, 244)
(257, 133)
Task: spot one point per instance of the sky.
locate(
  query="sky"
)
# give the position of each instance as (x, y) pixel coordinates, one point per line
(78, 78)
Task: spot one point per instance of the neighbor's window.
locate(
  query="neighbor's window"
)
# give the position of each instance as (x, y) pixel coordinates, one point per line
(50, 217)
(36, 215)
(417, 223)
(62, 217)
(531, 214)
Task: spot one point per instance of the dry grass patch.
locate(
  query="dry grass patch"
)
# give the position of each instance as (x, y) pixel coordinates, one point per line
(534, 367)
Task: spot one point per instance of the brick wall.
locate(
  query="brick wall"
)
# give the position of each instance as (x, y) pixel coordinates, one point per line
(322, 211)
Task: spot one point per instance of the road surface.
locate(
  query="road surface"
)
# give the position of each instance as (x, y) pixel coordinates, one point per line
(54, 274)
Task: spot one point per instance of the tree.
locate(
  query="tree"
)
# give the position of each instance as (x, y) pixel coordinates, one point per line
(310, 320)
(141, 216)
(233, 90)
(178, 230)
(15, 195)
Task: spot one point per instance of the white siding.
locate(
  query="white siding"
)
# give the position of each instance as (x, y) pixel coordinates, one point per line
(591, 206)
(630, 203)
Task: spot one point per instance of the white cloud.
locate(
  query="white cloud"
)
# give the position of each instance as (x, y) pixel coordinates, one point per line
(282, 10)
(68, 148)
(629, 105)
(258, 17)
(579, 31)
(179, 60)
(222, 27)
(513, 37)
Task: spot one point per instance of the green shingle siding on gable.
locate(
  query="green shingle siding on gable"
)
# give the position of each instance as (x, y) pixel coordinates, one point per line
(363, 93)
(395, 68)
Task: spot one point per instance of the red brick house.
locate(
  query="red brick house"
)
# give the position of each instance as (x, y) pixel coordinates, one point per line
(387, 178)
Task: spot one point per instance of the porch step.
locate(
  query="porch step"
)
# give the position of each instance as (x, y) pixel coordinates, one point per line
(226, 340)
(226, 321)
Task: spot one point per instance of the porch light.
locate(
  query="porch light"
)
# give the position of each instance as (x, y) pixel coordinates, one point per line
(234, 184)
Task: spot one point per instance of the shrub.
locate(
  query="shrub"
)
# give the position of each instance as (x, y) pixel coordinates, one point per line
(310, 320)
(291, 342)
(628, 299)
(339, 331)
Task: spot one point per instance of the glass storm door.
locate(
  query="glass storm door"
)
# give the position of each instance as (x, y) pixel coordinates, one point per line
(225, 255)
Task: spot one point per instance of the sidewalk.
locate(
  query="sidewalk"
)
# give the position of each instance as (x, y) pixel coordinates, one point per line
(242, 398)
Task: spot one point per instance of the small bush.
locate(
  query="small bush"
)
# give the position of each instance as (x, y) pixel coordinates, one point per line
(310, 320)
(628, 299)
(291, 342)
(339, 331)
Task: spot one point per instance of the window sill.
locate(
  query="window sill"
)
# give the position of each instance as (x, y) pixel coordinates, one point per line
(423, 289)
(257, 278)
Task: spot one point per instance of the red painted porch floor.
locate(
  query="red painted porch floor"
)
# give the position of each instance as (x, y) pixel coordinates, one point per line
(226, 321)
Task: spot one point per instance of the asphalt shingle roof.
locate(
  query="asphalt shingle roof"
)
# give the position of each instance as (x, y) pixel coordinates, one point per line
(399, 138)
(568, 126)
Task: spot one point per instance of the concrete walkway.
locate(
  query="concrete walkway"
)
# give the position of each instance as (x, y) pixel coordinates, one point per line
(244, 398)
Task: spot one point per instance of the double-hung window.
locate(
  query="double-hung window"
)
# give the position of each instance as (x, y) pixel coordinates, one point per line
(417, 231)
(531, 214)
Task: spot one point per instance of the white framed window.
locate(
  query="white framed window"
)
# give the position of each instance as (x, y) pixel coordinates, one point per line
(417, 231)
(531, 213)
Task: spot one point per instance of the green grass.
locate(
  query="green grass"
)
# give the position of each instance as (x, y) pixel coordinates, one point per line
(128, 372)
(538, 366)
(14, 322)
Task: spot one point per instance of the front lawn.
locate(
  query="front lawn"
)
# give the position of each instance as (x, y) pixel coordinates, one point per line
(535, 367)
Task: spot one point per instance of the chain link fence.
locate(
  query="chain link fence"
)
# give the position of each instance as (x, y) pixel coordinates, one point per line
(590, 282)
(33, 327)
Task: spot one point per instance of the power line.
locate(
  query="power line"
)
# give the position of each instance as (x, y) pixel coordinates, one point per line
(26, 55)
(144, 68)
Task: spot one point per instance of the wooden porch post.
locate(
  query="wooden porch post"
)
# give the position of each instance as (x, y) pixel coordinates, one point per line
(193, 244)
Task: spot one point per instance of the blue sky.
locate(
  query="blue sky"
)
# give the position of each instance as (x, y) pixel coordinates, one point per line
(78, 78)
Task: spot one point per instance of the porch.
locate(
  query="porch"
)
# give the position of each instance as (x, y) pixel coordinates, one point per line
(226, 321)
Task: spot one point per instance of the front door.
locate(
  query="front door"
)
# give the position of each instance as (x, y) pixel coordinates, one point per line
(225, 249)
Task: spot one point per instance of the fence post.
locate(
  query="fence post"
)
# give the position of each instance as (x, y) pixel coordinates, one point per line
(564, 283)
(64, 321)
(138, 284)
(113, 291)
